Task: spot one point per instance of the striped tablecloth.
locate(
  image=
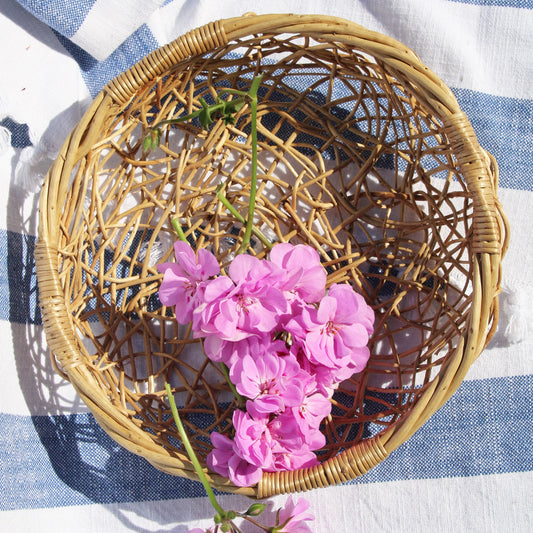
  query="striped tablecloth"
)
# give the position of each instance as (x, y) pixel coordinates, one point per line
(468, 469)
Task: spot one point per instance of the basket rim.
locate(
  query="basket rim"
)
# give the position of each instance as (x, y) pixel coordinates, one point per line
(489, 243)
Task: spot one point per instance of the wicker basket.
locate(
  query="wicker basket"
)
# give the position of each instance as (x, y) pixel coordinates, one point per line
(363, 153)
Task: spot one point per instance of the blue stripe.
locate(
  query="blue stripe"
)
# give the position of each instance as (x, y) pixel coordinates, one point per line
(68, 460)
(485, 428)
(65, 16)
(525, 4)
(504, 127)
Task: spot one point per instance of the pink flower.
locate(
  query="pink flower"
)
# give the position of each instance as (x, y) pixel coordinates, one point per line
(230, 352)
(292, 448)
(292, 518)
(251, 306)
(313, 409)
(253, 441)
(224, 460)
(338, 331)
(218, 458)
(205, 313)
(289, 461)
(290, 437)
(242, 473)
(181, 279)
(268, 375)
(226, 352)
(304, 274)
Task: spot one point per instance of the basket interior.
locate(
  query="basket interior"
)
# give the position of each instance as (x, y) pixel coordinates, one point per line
(350, 162)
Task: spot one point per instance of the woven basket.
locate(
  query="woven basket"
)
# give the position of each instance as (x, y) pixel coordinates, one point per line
(363, 154)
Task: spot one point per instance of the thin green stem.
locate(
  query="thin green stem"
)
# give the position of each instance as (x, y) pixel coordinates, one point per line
(224, 107)
(192, 454)
(178, 230)
(257, 232)
(255, 523)
(253, 180)
(177, 120)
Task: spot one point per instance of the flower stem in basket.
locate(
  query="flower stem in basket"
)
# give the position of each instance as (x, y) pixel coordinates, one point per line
(177, 228)
(240, 399)
(252, 95)
(257, 232)
(227, 109)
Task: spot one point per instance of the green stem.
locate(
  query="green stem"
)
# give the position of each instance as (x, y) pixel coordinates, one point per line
(256, 523)
(257, 232)
(226, 108)
(252, 94)
(192, 454)
(178, 230)
(177, 120)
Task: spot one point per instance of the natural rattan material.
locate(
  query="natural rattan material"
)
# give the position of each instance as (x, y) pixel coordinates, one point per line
(363, 153)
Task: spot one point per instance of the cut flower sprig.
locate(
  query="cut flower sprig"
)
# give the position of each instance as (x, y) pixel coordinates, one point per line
(283, 338)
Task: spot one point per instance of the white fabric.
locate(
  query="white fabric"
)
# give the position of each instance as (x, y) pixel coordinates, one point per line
(110, 22)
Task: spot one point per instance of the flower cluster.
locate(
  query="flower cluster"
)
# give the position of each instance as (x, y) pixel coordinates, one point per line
(286, 340)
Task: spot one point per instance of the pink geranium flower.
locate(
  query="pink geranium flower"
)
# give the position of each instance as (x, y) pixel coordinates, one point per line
(224, 460)
(338, 331)
(293, 517)
(304, 274)
(181, 279)
(293, 448)
(253, 441)
(251, 306)
(314, 407)
(268, 375)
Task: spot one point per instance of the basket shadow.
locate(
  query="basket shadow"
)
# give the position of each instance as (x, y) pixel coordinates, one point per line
(80, 453)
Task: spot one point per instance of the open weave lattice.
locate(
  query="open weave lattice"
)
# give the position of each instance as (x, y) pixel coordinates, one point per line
(363, 154)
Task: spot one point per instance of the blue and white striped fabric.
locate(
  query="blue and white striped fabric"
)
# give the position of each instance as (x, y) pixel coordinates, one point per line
(470, 468)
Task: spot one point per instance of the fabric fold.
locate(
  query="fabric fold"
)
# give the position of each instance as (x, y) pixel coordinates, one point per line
(96, 26)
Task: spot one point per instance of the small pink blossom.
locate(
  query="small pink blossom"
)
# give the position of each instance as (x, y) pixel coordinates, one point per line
(245, 304)
(293, 517)
(181, 279)
(314, 407)
(304, 274)
(207, 309)
(289, 461)
(338, 331)
(218, 458)
(253, 440)
(242, 473)
(224, 460)
(268, 375)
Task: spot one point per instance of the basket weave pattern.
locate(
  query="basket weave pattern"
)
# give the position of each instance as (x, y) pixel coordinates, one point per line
(363, 154)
